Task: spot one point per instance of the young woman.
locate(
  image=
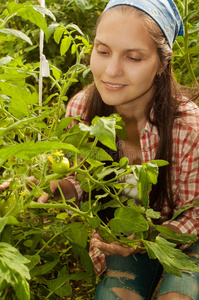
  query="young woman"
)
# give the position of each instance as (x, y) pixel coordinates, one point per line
(131, 67)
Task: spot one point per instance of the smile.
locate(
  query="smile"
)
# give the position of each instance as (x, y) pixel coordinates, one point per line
(113, 86)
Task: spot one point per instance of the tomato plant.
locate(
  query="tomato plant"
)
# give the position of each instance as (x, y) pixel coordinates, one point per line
(7, 205)
(44, 239)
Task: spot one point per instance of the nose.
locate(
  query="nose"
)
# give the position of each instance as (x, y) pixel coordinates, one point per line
(114, 67)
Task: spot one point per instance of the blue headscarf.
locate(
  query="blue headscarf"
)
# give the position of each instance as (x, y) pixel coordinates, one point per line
(164, 13)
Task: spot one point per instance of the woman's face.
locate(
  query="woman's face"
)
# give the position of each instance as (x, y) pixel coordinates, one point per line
(124, 60)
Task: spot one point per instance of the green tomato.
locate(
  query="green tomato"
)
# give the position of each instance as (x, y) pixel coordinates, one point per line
(7, 205)
(61, 167)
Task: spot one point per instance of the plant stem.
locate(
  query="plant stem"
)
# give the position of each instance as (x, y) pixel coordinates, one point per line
(186, 44)
(78, 147)
(56, 206)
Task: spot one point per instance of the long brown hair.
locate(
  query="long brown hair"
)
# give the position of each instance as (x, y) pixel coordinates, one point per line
(165, 105)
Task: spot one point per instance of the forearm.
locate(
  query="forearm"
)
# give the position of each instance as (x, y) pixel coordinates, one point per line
(67, 188)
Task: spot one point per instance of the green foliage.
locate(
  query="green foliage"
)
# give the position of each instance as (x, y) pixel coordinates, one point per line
(185, 50)
(38, 241)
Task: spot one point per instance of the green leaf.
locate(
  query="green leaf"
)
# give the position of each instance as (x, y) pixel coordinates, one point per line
(76, 233)
(33, 260)
(104, 130)
(20, 99)
(151, 172)
(5, 60)
(55, 285)
(94, 222)
(7, 221)
(86, 262)
(105, 172)
(83, 182)
(16, 33)
(21, 123)
(172, 259)
(157, 162)
(152, 214)
(44, 11)
(65, 45)
(126, 220)
(31, 149)
(64, 291)
(31, 14)
(144, 186)
(51, 30)
(81, 4)
(43, 269)
(184, 208)
(74, 27)
(113, 203)
(169, 234)
(64, 122)
(58, 34)
(190, 15)
(13, 270)
(124, 162)
(106, 235)
(56, 73)
(146, 175)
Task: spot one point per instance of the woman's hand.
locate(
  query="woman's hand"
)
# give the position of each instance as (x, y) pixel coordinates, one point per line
(66, 186)
(114, 248)
(42, 199)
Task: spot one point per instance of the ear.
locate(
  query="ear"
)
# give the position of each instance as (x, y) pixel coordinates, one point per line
(164, 64)
(166, 61)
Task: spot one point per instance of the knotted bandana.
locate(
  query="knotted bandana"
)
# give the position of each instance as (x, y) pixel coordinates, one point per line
(164, 12)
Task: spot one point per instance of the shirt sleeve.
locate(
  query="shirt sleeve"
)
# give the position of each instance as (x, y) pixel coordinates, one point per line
(75, 107)
(187, 190)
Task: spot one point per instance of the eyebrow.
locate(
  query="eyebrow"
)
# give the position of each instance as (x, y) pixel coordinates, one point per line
(127, 50)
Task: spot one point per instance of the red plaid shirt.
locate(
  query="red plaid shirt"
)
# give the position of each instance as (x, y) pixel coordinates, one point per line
(185, 165)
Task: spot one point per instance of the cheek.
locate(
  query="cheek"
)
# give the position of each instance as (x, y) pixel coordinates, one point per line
(143, 74)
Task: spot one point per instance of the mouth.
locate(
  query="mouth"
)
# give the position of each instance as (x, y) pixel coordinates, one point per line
(113, 86)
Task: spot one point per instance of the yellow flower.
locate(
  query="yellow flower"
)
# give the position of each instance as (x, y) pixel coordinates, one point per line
(22, 193)
(58, 153)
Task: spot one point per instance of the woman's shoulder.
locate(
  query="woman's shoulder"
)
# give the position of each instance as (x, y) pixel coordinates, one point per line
(189, 118)
(76, 104)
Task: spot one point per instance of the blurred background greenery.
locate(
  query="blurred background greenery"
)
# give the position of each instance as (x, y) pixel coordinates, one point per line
(84, 13)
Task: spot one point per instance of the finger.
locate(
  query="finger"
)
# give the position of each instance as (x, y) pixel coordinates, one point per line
(113, 248)
(97, 236)
(43, 199)
(122, 250)
(103, 247)
(5, 184)
(32, 179)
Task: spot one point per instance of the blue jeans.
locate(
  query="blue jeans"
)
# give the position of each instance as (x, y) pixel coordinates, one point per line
(140, 274)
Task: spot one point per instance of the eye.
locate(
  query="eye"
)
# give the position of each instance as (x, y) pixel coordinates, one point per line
(135, 59)
(102, 50)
